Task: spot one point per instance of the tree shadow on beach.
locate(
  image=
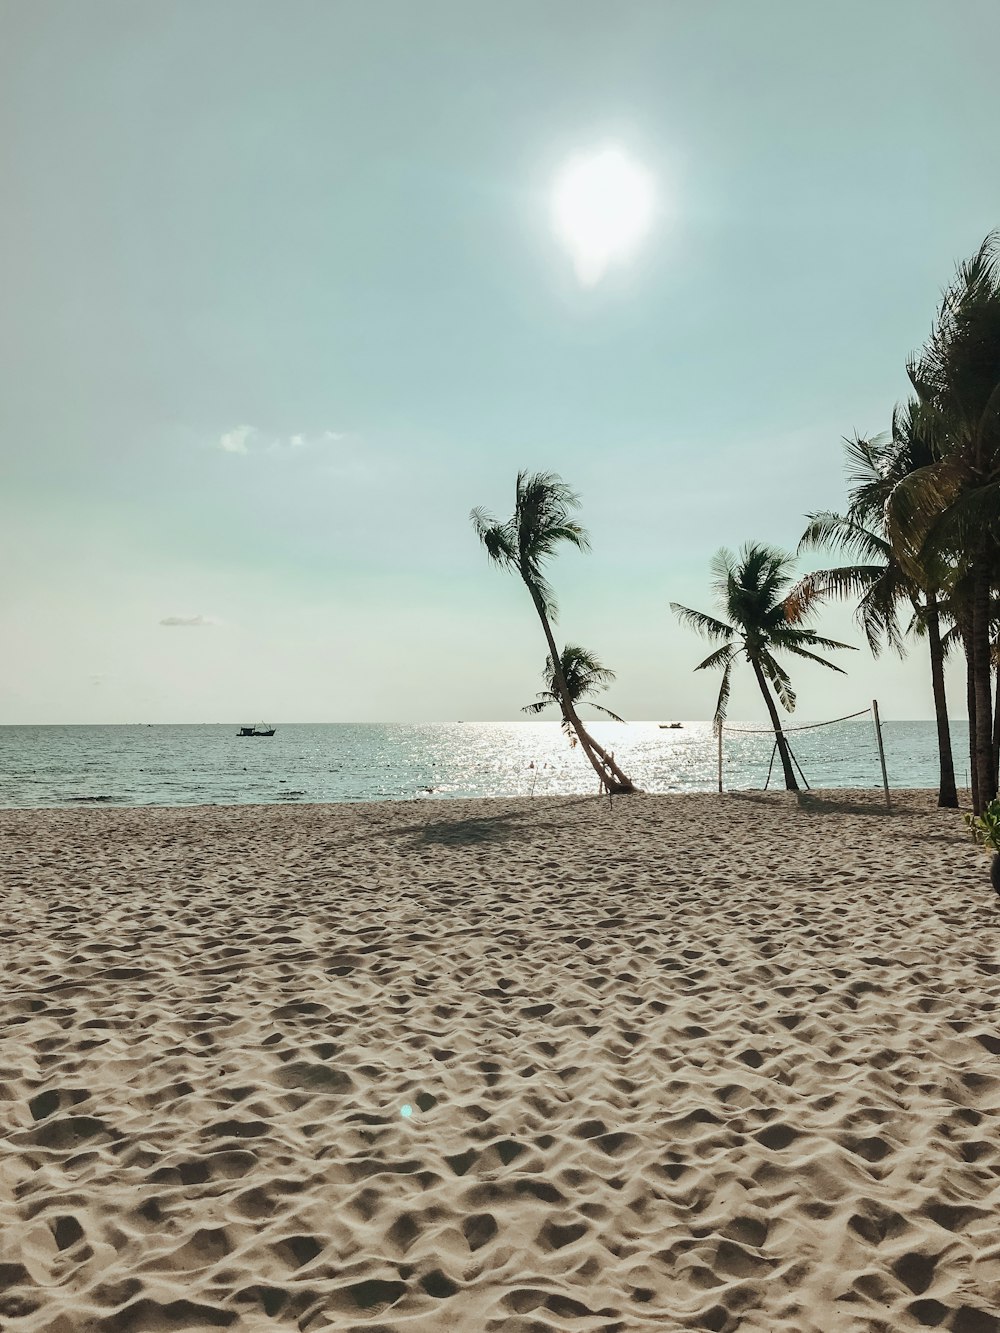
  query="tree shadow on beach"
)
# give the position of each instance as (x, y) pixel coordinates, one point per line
(465, 832)
(814, 803)
(826, 805)
(480, 829)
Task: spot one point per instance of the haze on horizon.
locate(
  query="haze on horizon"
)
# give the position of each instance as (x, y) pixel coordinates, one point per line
(284, 301)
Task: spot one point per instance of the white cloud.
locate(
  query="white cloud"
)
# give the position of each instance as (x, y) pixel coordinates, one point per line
(250, 440)
(196, 621)
(235, 441)
(281, 443)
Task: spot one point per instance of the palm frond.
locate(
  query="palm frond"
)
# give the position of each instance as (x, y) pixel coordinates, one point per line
(846, 582)
(813, 657)
(845, 533)
(721, 570)
(573, 533)
(951, 640)
(701, 623)
(916, 507)
(869, 464)
(543, 701)
(823, 529)
(804, 596)
(722, 703)
(877, 614)
(606, 711)
(940, 541)
(780, 679)
(496, 537)
(793, 635)
(720, 658)
(546, 595)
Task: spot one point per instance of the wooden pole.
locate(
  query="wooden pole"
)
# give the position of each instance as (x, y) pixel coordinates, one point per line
(774, 751)
(720, 758)
(881, 753)
(798, 766)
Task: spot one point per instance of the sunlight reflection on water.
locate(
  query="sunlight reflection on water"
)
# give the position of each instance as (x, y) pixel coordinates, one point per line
(195, 765)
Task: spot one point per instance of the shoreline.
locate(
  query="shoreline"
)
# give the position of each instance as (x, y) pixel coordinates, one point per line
(500, 1065)
(85, 803)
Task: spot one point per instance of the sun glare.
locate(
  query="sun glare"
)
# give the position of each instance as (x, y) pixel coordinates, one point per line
(602, 206)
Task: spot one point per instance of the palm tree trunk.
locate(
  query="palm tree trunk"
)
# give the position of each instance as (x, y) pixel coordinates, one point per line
(947, 793)
(970, 698)
(613, 779)
(983, 682)
(996, 733)
(779, 735)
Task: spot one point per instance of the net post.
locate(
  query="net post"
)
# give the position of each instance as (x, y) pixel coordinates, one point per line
(774, 751)
(881, 753)
(720, 756)
(798, 765)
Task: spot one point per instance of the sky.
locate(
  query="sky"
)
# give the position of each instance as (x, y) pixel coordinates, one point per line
(282, 301)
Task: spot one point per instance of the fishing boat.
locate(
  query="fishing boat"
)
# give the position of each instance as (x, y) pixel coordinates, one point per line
(258, 729)
(671, 726)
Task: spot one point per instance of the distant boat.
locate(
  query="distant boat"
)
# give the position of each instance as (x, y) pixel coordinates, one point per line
(258, 729)
(671, 726)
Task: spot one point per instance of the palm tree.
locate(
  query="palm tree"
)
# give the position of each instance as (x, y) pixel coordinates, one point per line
(752, 590)
(878, 577)
(951, 508)
(542, 520)
(584, 675)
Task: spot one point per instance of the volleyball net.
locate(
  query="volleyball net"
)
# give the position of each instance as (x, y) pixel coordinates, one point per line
(781, 739)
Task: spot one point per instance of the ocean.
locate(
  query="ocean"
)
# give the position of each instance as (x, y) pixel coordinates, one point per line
(211, 765)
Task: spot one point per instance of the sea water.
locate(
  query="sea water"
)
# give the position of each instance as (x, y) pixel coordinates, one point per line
(203, 765)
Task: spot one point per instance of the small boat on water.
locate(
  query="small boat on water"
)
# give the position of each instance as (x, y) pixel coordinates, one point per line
(671, 726)
(258, 729)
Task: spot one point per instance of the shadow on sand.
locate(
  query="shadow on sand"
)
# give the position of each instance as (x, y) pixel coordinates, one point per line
(821, 805)
(825, 805)
(491, 829)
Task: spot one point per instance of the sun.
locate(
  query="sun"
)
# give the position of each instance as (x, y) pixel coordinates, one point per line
(602, 206)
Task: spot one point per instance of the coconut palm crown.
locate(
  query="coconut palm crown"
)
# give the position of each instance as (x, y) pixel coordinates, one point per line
(877, 578)
(751, 588)
(541, 521)
(584, 676)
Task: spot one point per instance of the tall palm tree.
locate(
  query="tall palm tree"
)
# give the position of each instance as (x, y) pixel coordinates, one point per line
(956, 605)
(542, 520)
(951, 508)
(584, 675)
(878, 578)
(752, 589)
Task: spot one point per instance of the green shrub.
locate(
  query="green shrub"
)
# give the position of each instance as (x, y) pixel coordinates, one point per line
(985, 828)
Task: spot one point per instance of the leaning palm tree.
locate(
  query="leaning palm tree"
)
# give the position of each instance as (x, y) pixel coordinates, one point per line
(752, 590)
(584, 675)
(542, 520)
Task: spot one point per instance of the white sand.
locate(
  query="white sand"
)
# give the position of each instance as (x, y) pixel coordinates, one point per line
(687, 1063)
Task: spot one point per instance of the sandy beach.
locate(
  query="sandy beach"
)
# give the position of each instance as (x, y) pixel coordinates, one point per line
(677, 1063)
